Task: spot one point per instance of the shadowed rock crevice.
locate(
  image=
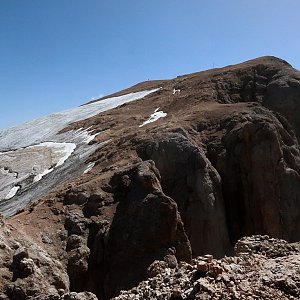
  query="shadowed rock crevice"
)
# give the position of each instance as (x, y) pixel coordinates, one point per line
(258, 161)
(189, 178)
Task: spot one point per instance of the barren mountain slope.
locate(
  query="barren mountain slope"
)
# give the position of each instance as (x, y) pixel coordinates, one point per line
(190, 167)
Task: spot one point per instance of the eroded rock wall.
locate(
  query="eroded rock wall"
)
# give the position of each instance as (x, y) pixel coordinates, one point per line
(146, 226)
(190, 179)
(257, 158)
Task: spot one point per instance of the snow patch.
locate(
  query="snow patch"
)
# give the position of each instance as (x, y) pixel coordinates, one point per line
(154, 117)
(89, 137)
(176, 91)
(64, 150)
(48, 127)
(32, 150)
(12, 192)
(90, 166)
(41, 175)
(84, 136)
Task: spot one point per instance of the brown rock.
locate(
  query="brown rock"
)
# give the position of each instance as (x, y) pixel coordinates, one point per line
(203, 266)
(146, 224)
(190, 179)
(79, 296)
(258, 160)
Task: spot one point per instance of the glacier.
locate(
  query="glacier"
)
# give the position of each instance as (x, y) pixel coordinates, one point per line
(36, 156)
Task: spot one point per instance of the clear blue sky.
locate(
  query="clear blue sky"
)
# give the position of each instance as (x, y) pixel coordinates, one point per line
(56, 54)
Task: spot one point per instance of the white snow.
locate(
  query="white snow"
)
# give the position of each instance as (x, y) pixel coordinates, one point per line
(31, 150)
(154, 117)
(41, 175)
(83, 135)
(47, 128)
(12, 192)
(22, 167)
(90, 166)
(63, 150)
(176, 91)
(89, 137)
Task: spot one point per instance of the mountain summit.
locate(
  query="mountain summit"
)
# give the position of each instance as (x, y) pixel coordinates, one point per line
(137, 188)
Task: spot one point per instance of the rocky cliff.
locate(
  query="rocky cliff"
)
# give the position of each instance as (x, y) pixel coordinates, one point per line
(144, 183)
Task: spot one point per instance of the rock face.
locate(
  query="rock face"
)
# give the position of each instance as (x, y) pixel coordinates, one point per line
(271, 82)
(257, 158)
(151, 204)
(146, 226)
(31, 270)
(190, 179)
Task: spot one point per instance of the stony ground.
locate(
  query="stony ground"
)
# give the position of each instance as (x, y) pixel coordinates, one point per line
(263, 268)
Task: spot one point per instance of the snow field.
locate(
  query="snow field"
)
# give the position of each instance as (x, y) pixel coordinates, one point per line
(34, 149)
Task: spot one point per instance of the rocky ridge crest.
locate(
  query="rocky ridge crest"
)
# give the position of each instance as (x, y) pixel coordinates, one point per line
(222, 164)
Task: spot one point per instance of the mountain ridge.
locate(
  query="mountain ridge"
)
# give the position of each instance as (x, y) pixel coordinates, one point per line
(220, 161)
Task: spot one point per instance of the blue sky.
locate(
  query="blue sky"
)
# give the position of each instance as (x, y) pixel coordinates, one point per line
(56, 54)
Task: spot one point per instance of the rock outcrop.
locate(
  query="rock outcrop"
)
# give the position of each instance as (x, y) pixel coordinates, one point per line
(30, 270)
(146, 226)
(191, 180)
(257, 157)
(261, 272)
